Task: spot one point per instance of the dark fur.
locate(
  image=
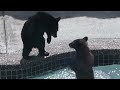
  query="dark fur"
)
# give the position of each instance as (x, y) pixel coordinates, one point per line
(84, 59)
(33, 31)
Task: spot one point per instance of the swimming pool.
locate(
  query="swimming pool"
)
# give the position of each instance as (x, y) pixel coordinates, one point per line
(106, 66)
(100, 72)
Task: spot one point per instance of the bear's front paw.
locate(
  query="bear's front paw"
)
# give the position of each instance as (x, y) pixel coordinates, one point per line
(48, 41)
(43, 54)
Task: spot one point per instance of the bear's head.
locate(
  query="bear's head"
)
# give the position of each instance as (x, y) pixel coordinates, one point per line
(79, 44)
(55, 27)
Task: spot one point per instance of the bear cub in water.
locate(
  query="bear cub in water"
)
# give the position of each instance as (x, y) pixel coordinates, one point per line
(84, 59)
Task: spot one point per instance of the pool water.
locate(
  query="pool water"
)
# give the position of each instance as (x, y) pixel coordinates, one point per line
(100, 72)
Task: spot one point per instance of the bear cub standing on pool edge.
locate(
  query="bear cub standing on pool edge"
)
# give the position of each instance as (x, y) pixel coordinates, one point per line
(84, 59)
(33, 31)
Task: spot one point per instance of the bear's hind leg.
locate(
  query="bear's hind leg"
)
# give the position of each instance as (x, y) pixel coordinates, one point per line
(26, 52)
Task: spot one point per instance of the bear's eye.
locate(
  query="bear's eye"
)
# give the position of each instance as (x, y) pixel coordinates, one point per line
(79, 44)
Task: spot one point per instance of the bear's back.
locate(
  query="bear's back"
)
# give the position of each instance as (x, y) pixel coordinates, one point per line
(40, 21)
(42, 17)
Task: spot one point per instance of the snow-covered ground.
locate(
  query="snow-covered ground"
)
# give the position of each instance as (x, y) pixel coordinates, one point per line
(69, 29)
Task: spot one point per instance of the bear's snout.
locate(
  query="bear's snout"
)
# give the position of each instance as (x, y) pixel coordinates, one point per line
(71, 45)
(54, 35)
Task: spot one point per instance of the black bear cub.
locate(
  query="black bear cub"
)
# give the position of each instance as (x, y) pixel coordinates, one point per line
(33, 31)
(84, 59)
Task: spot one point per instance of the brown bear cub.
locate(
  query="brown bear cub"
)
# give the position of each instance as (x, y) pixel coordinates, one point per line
(84, 59)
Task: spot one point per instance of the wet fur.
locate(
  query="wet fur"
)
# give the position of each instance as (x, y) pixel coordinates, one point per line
(84, 59)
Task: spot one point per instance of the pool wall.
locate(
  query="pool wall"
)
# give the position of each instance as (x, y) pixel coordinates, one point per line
(28, 69)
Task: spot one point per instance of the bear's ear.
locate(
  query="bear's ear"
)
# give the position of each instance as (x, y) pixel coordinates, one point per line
(58, 19)
(85, 38)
